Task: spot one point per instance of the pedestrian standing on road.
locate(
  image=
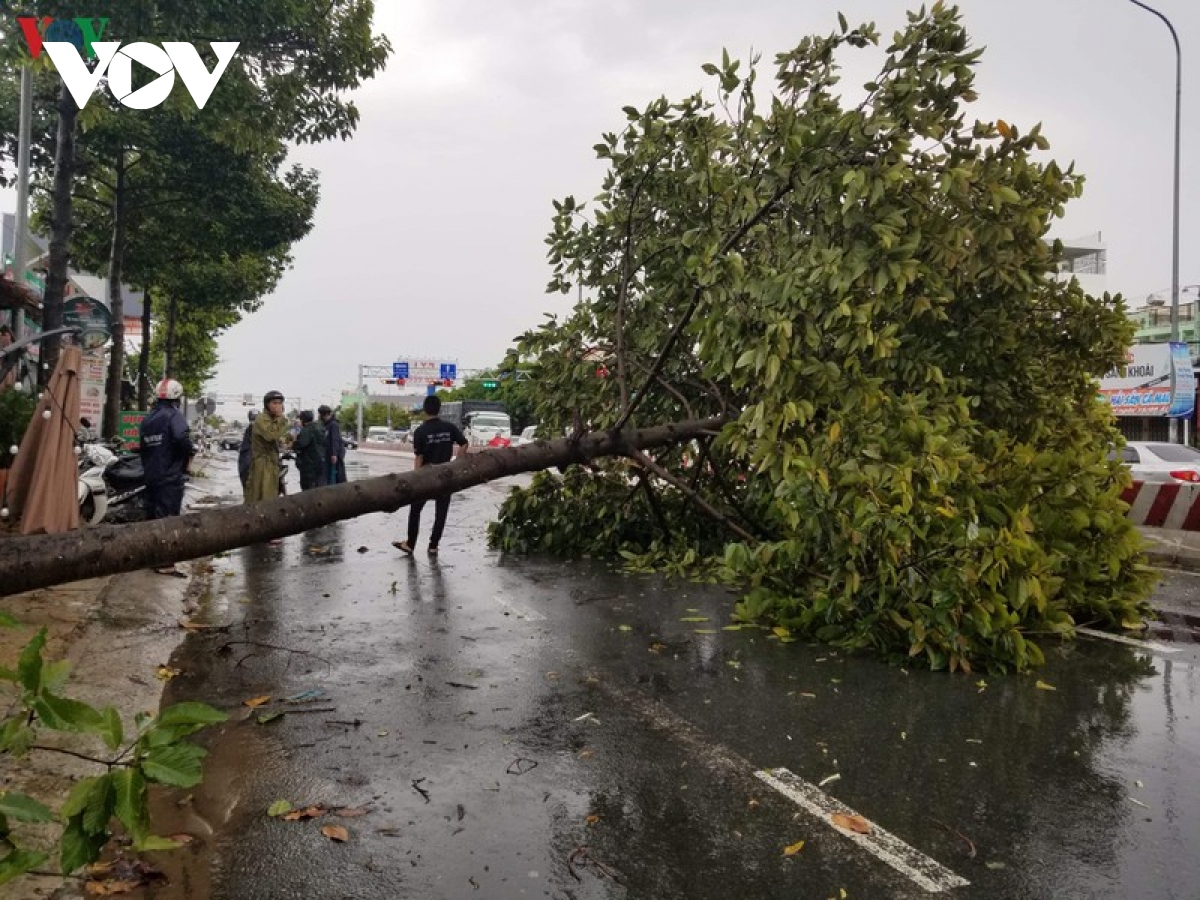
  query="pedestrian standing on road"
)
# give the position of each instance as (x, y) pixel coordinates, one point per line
(166, 452)
(335, 447)
(268, 430)
(435, 442)
(309, 447)
(244, 450)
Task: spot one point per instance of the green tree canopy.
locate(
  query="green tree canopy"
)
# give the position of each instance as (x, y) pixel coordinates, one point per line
(914, 461)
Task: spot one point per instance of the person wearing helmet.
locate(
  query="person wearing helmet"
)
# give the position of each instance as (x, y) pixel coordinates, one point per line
(166, 450)
(244, 451)
(268, 430)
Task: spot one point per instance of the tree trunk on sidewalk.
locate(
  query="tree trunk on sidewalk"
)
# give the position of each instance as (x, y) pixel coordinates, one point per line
(116, 306)
(60, 230)
(143, 390)
(38, 561)
(169, 343)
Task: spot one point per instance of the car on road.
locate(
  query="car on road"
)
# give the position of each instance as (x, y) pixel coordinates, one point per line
(1162, 462)
(527, 436)
(350, 441)
(230, 440)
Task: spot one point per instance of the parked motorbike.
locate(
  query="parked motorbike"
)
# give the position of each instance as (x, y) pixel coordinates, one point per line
(111, 488)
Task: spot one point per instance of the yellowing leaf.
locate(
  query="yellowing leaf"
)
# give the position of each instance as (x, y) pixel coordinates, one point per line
(793, 849)
(166, 673)
(278, 808)
(1133, 624)
(1042, 686)
(592, 820)
(694, 619)
(780, 631)
(835, 431)
(309, 812)
(257, 701)
(857, 824)
(1004, 128)
(336, 833)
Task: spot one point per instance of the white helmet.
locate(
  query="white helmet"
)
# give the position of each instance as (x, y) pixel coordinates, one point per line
(169, 389)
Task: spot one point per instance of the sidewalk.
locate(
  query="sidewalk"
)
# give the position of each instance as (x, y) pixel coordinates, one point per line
(116, 632)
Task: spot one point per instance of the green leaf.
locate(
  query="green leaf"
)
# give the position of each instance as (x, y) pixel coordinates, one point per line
(110, 728)
(18, 862)
(55, 674)
(178, 765)
(63, 714)
(130, 788)
(29, 665)
(16, 737)
(100, 805)
(82, 794)
(154, 842)
(24, 808)
(278, 808)
(77, 847)
(191, 714)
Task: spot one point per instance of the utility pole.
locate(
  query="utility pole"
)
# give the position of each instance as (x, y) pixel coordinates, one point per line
(22, 236)
(358, 407)
(1174, 423)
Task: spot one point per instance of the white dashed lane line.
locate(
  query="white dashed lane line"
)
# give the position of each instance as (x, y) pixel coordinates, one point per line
(924, 872)
(883, 845)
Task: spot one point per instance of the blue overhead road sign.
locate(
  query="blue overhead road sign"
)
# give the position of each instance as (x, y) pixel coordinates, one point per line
(400, 370)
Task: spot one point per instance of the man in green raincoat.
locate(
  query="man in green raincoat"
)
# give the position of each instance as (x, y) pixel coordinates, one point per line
(265, 434)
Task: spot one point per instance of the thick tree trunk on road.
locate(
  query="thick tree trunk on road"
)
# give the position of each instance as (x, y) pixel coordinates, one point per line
(39, 561)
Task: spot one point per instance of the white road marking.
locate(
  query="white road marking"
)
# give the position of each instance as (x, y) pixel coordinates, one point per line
(885, 846)
(1132, 642)
(520, 611)
(926, 873)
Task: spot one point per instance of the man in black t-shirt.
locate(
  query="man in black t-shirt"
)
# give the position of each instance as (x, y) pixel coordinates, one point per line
(435, 442)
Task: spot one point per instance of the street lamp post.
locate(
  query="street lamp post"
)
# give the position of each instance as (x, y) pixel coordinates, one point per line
(1174, 434)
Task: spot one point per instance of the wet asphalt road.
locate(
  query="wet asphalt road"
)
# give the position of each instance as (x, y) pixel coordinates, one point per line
(526, 728)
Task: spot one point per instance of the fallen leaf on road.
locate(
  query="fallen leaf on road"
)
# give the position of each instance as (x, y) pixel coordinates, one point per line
(166, 673)
(704, 630)
(336, 833)
(1042, 686)
(807, 694)
(278, 808)
(624, 628)
(657, 647)
(1133, 624)
(857, 824)
(753, 804)
(364, 549)
(586, 753)
(269, 717)
(1138, 802)
(793, 849)
(829, 780)
(780, 631)
(592, 819)
(109, 888)
(694, 619)
(257, 701)
(182, 838)
(309, 812)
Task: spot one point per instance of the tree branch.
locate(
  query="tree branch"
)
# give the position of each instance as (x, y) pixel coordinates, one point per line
(709, 510)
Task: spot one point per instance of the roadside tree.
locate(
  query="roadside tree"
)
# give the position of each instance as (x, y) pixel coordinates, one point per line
(915, 459)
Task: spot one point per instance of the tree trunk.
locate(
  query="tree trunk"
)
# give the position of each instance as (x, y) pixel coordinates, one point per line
(143, 391)
(36, 561)
(60, 230)
(169, 343)
(116, 306)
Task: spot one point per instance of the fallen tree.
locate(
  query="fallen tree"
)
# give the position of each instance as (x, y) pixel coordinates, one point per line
(38, 561)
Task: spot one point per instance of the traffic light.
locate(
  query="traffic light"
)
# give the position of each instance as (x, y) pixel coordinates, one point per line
(490, 384)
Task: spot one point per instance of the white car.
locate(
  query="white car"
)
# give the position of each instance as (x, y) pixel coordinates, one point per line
(1161, 461)
(528, 436)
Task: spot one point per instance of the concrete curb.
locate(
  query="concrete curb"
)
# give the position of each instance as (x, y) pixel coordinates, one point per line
(1171, 559)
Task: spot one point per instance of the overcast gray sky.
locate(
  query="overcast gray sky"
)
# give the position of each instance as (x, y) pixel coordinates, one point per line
(429, 237)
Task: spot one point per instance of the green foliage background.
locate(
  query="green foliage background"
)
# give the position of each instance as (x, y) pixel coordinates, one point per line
(867, 293)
